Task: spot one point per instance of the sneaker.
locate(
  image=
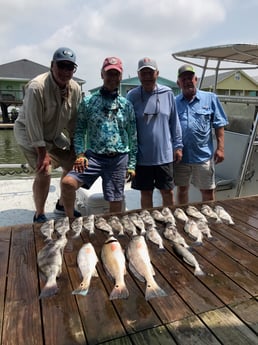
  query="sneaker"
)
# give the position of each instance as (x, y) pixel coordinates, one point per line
(60, 210)
(41, 218)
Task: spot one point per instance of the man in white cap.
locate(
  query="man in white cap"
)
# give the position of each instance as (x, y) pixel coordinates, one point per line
(49, 108)
(199, 112)
(105, 141)
(159, 135)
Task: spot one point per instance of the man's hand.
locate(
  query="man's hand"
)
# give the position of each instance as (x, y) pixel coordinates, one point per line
(178, 154)
(80, 164)
(129, 175)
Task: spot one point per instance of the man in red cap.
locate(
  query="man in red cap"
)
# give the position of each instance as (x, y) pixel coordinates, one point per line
(105, 141)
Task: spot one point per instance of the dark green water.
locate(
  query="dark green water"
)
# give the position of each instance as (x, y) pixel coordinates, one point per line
(9, 150)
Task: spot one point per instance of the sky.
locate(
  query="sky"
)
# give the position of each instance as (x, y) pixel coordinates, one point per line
(130, 30)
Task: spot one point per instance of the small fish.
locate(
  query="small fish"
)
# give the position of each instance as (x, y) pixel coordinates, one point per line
(138, 222)
(102, 224)
(113, 260)
(128, 225)
(195, 213)
(173, 235)
(188, 257)
(203, 226)
(116, 225)
(208, 212)
(153, 235)
(89, 223)
(47, 229)
(77, 226)
(49, 260)
(62, 226)
(193, 231)
(181, 215)
(140, 265)
(169, 217)
(158, 216)
(223, 215)
(86, 260)
(147, 218)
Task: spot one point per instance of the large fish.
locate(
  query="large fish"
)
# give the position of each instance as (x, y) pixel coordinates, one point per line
(140, 265)
(223, 214)
(86, 260)
(49, 260)
(113, 260)
(191, 228)
(188, 257)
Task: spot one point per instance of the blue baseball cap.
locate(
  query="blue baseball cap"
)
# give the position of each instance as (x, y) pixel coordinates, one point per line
(64, 54)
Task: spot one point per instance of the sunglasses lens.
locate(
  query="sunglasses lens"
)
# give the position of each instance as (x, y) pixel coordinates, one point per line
(66, 66)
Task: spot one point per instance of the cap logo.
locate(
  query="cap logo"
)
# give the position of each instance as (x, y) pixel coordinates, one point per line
(68, 52)
(112, 61)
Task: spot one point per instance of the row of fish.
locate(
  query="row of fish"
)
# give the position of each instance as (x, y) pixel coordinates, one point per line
(114, 262)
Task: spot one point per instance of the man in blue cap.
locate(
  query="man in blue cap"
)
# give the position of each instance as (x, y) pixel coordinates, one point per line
(49, 109)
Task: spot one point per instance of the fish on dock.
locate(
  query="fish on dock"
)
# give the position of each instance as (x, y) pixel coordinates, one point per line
(147, 218)
(116, 225)
(47, 229)
(138, 222)
(87, 260)
(192, 211)
(89, 223)
(158, 216)
(210, 213)
(153, 235)
(62, 226)
(49, 260)
(180, 214)
(102, 224)
(191, 228)
(77, 226)
(169, 217)
(188, 257)
(204, 227)
(140, 265)
(113, 260)
(171, 233)
(128, 225)
(223, 215)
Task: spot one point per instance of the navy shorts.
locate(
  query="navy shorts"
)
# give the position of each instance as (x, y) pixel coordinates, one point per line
(154, 176)
(112, 170)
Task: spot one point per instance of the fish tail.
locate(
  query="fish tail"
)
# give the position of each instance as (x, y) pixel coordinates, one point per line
(154, 291)
(49, 290)
(119, 292)
(81, 291)
(198, 271)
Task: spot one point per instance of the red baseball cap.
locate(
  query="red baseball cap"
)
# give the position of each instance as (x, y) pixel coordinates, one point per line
(112, 63)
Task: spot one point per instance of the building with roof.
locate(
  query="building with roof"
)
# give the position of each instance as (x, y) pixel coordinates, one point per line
(13, 78)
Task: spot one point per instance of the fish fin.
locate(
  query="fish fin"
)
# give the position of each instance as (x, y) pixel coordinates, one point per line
(95, 273)
(198, 272)
(80, 291)
(119, 292)
(137, 275)
(154, 291)
(48, 290)
(188, 262)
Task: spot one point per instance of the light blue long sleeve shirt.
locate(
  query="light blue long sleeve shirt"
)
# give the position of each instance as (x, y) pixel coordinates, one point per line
(158, 127)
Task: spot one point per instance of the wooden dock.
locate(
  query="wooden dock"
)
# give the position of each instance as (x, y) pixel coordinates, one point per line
(218, 308)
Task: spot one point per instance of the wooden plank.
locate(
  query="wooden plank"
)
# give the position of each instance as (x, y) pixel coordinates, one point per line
(5, 239)
(61, 318)
(155, 336)
(22, 312)
(119, 341)
(228, 328)
(247, 311)
(234, 270)
(192, 331)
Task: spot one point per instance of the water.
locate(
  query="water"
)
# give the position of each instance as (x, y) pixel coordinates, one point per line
(9, 150)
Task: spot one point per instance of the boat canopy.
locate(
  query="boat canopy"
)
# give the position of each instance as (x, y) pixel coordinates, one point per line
(246, 54)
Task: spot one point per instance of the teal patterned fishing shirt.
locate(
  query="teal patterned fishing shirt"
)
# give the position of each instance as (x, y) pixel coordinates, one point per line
(106, 124)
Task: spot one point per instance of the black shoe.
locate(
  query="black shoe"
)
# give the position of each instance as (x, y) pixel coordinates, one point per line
(60, 210)
(41, 218)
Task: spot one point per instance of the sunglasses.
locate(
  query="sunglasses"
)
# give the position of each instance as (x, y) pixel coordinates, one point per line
(66, 66)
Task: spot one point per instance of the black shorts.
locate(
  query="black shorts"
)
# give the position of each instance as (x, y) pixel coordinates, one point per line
(154, 176)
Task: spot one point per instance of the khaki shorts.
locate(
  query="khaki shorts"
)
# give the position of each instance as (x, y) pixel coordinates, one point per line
(59, 158)
(202, 175)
